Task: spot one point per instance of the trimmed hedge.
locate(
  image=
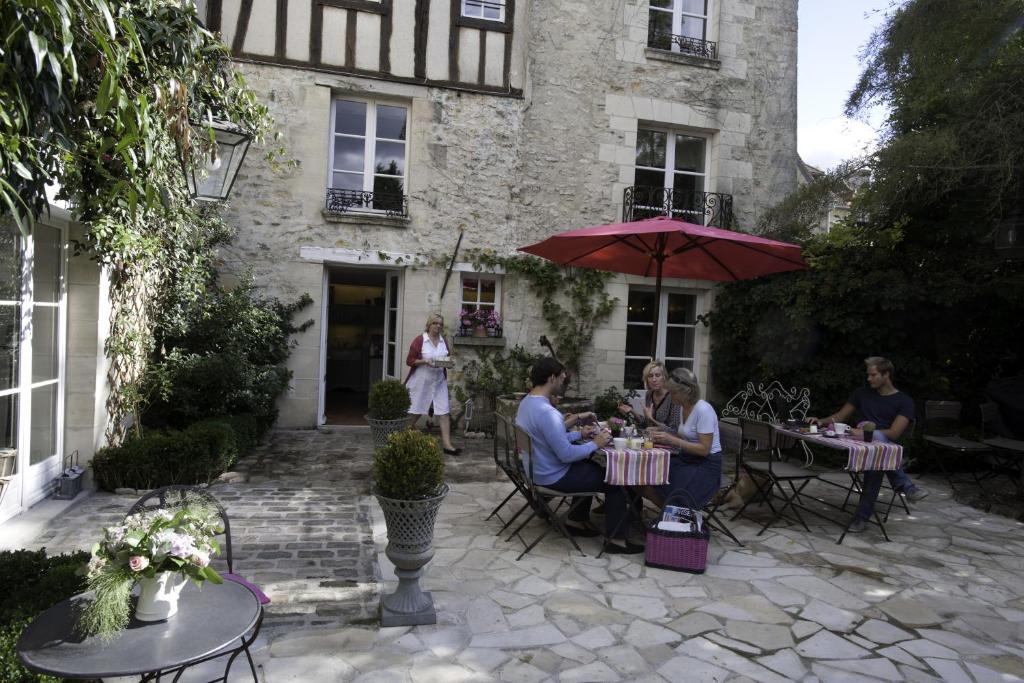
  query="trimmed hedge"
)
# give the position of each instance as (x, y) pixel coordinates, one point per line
(32, 583)
(197, 454)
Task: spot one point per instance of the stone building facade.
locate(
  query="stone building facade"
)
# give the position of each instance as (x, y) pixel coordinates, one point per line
(415, 122)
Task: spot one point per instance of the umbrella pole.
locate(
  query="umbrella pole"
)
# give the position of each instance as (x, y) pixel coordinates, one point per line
(660, 257)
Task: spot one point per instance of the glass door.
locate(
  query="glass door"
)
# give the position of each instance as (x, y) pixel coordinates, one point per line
(675, 332)
(11, 277)
(32, 323)
(393, 360)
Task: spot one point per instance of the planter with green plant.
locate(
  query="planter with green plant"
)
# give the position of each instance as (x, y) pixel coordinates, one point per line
(409, 484)
(387, 410)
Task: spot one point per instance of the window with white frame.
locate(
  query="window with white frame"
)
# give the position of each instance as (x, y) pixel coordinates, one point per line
(368, 154)
(492, 10)
(480, 305)
(680, 26)
(675, 332)
(671, 174)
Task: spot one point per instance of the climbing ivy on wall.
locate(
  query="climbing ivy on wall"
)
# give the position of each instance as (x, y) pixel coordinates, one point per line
(574, 301)
(99, 98)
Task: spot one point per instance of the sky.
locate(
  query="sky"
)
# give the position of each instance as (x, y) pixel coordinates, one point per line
(832, 33)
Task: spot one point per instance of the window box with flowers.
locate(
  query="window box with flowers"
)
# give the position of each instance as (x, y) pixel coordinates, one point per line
(480, 322)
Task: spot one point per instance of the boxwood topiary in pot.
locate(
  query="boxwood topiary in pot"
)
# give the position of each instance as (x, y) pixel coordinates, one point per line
(387, 410)
(408, 482)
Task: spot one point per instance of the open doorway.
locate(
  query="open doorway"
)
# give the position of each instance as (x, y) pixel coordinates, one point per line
(355, 342)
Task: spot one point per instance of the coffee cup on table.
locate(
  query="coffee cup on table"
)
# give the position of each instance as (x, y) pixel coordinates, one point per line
(840, 428)
(620, 443)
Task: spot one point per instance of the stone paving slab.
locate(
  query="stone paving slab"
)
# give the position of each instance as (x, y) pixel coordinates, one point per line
(941, 601)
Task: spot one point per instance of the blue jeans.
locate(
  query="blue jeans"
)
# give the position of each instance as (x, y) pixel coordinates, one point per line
(898, 479)
(585, 475)
(699, 478)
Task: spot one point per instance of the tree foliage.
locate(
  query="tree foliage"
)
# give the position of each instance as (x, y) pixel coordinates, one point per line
(917, 278)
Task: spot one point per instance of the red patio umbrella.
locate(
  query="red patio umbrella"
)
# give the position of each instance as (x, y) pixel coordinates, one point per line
(669, 247)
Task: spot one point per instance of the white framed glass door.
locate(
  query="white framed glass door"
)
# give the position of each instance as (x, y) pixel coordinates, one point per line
(675, 330)
(393, 361)
(33, 321)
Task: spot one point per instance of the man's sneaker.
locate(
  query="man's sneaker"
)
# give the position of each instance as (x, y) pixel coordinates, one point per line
(857, 525)
(916, 494)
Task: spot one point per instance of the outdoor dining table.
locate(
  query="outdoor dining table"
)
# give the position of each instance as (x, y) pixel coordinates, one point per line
(208, 620)
(634, 466)
(861, 456)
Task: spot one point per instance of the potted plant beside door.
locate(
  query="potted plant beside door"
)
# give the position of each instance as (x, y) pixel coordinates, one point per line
(408, 483)
(387, 410)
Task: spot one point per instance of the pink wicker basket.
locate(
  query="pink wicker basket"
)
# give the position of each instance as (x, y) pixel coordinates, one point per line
(681, 551)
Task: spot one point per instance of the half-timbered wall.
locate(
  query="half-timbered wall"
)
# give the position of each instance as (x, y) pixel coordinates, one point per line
(412, 41)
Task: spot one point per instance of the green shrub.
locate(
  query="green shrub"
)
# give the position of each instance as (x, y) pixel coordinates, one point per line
(389, 400)
(409, 467)
(196, 455)
(224, 355)
(32, 583)
(606, 404)
(249, 430)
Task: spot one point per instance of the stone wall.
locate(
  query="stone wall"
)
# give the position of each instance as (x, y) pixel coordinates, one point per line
(510, 172)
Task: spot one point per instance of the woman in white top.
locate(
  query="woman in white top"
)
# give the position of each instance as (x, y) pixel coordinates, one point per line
(697, 468)
(428, 383)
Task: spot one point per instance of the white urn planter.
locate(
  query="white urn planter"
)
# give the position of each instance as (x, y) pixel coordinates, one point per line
(158, 599)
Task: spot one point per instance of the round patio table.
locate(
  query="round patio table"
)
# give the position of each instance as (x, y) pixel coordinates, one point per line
(208, 620)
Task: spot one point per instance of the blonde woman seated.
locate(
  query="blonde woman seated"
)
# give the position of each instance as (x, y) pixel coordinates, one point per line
(697, 467)
(659, 408)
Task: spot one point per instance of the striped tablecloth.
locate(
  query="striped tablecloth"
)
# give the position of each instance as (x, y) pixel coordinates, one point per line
(640, 467)
(861, 456)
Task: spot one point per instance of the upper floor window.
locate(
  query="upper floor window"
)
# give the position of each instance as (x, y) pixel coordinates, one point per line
(368, 156)
(492, 10)
(680, 26)
(671, 174)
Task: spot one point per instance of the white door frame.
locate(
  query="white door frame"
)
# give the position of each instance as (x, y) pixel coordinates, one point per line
(32, 483)
(324, 313)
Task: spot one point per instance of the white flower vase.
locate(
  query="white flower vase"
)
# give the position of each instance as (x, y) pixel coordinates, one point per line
(158, 599)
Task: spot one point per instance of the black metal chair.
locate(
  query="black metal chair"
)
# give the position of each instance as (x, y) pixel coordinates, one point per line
(509, 463)
(542, 496)
(771, 473)
(731, 437)
(176, 495)
(1007, 453)
(941, 425)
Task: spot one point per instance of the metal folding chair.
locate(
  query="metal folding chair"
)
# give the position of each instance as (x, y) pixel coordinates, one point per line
(542, 496)
(731, 437)
(1007, 453)
(507, 463)
(771, 473)
(941, 425)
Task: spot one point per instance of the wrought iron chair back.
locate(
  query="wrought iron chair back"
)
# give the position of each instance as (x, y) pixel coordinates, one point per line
(175, 495)
(769, 401)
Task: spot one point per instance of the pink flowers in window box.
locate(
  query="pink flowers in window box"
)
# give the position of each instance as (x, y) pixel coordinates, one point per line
(487, 319)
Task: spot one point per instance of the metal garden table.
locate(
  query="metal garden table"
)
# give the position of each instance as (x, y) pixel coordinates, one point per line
(208, 621)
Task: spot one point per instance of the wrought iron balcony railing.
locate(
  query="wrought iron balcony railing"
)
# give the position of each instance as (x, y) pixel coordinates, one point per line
(703, 208)
(342, 201)
(682, 44)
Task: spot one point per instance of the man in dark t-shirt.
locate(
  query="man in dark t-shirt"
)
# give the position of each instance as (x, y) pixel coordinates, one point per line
(892, 411)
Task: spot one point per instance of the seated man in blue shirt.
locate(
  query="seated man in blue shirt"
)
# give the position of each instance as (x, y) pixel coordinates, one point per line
(561, 465)
(892, 411)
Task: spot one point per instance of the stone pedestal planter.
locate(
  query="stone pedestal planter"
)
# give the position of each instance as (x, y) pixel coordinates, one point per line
(382, 429)
(410, 526)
